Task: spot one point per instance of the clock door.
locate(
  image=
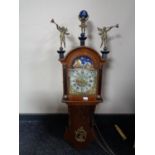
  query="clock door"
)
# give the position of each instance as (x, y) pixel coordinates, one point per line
(82, 73)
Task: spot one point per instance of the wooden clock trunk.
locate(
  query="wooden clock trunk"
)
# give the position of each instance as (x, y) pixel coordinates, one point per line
(80, 131)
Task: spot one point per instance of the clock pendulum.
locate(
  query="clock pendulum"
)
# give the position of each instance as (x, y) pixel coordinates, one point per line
(82, 81)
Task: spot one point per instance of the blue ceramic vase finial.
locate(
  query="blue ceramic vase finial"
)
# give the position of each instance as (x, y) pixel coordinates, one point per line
(83, 15)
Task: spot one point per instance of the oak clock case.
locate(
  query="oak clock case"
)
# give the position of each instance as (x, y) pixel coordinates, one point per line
(82, 74)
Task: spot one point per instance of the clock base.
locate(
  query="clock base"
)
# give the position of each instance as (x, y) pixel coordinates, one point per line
(80, 132)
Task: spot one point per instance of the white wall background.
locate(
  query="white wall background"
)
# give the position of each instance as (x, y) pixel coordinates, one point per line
(40, 70)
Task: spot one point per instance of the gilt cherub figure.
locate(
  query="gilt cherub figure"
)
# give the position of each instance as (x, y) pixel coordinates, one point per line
(103, 33)
(63, 31)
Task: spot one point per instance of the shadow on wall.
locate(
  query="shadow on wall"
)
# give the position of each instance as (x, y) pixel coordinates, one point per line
(105, 68)
(110, 38)
(72, 41)
(90, 28)
(108, 66)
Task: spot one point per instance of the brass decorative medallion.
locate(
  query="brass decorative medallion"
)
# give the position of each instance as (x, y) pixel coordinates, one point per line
(80, 134)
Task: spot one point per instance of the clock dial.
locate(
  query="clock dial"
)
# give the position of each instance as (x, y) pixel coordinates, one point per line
(82, 81)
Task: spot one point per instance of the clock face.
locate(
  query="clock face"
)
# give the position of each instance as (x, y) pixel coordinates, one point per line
(82, 81)
(82, 77)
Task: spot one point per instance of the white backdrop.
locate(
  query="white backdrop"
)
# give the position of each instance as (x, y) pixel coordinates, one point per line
(40, 70)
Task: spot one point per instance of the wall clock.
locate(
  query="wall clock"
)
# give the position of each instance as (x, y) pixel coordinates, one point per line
(82, 81)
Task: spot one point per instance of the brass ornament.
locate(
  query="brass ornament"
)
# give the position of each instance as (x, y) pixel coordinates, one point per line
(80, 134)
(63, 31)
(103, 33)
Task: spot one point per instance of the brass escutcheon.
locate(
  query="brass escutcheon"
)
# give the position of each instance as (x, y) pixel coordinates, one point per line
(80, 134)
